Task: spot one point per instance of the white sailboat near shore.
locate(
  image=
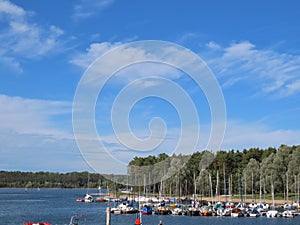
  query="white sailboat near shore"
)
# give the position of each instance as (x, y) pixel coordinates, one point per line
(272, 213)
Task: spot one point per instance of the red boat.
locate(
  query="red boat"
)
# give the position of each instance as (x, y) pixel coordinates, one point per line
(80, 200)
(36, 223)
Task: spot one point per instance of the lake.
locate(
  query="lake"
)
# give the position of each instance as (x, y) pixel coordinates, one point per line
(58, 205)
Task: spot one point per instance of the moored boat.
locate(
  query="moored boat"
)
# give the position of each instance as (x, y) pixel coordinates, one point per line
(254, 213)
(177, 211)
(288, 214)
(127, 208)
(88, 198)
(193, 211)
(272, 213)
(236, 212)
(36, 223)
(162, 210)
(147, 210)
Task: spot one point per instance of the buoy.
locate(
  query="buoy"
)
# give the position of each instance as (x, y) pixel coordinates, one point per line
(138, 221)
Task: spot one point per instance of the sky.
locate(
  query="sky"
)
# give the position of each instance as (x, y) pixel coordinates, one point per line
(252, 49)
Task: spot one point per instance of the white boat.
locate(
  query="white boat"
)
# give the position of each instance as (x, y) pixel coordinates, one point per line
(88, 198)
(272, 213)
(177, 211)
(236, 212)
(288, 214)
(254, 213)
(124, 208)
(296, 204)
(263, 206)
(252, 205)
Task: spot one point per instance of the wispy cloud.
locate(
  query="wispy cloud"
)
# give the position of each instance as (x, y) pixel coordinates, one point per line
(88, 8)
(241, 135)
(39, 131)
(20, 38)
(32, 116)
(94, 51)
(271, 72)
(132, 72)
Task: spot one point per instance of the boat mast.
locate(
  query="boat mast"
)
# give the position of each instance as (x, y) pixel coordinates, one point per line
(210, 185)
(224, 175)
(195, 187)
(240, 187)
(245, 184)
(230, 187)
(217, 186)
(264, 189)
(252, 186)
(287, 188)
(298, 189)
(259, 187)
(145, 185)
(88, 183)
(272, 190)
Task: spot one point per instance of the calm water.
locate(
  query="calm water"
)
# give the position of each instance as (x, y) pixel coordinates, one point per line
(58, 205)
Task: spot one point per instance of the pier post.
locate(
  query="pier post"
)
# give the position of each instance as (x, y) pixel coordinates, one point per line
(108, 216)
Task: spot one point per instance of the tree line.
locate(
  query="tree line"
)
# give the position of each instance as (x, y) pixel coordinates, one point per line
(203, 173)
(231, 172)
(18, 179)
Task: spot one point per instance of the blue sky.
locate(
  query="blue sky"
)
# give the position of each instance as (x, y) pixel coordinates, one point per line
(252, 48)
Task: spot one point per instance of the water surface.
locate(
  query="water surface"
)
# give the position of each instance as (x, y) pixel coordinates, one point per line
(58, 205)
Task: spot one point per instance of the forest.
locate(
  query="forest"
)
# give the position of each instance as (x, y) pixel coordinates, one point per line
(222, 173)
(203, 173)
(18, 179)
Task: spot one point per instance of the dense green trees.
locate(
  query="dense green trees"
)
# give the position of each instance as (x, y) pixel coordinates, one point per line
(186, 174)
(202, 168)
(51, 180)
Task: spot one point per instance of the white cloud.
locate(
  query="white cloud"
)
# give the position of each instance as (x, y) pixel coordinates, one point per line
(20, 38)
(131, 72)
(291, 88)
(240, 135)
(212, 45)
(31, 116)
(89, 8)
(10, 63)
(94, 51)
(10, 9)
(272, 72)
(39, 131)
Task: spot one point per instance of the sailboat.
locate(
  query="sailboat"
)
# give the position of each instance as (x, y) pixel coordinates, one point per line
(252, 205)
(272, 213)
(287, 213)
(101, 196)
(88, 198)
(238, 211)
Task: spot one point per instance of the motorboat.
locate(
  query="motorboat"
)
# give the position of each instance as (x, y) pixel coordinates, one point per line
(254, 213)
(147, 210)
(162, 210)
(124, 208)
(193, 211)
(236, 212)
(88, 198)
(36, 223)
(288, 214)
(177, 211)
(272, 213)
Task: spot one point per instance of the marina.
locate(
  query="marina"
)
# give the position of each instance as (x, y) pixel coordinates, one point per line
(57, 206)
